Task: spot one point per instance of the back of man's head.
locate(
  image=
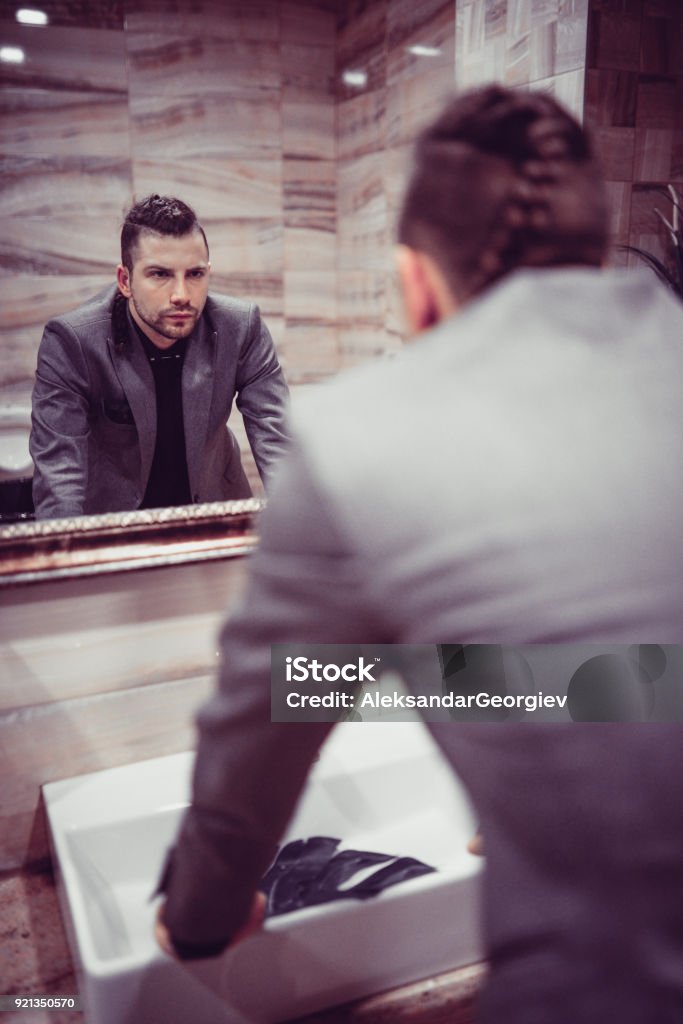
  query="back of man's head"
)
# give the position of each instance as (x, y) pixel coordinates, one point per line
(160, 215)
(504, 179)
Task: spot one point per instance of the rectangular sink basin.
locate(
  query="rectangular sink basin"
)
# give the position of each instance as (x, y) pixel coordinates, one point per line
(377, 786)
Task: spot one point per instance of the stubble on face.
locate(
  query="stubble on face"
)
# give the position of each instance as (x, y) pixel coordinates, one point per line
(167, 288)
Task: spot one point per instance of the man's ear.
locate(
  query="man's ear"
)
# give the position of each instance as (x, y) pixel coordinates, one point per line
(123, 280)
(420, 299)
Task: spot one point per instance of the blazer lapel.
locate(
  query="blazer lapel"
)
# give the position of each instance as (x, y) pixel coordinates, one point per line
(137, 380)
(198, 379)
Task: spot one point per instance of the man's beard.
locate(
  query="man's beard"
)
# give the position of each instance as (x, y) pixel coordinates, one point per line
(159, 323)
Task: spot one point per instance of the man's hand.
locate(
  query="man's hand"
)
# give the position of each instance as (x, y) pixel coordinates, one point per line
(251, 925)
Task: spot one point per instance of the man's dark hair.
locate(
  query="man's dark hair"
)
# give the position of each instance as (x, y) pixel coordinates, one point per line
(504, 179)
(162, 215)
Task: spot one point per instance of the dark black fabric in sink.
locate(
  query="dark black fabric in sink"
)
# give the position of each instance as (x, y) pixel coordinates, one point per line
(308, 872)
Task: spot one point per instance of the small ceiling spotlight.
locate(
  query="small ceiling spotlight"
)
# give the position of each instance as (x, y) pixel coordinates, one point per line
(356, 79)
(418, 50)
(31, 16)
(12, 54)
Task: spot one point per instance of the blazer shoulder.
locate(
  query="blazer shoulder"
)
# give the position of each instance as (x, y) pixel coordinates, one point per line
(226, 309)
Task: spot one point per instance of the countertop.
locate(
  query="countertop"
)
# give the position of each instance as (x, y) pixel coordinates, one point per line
(34, 959)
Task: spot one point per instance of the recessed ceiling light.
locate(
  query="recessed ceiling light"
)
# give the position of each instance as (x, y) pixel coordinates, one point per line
(12, 54)
(30, 16)
(424, 51)
(356, 79)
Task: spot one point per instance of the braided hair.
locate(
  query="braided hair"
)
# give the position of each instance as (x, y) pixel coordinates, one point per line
(504, 179)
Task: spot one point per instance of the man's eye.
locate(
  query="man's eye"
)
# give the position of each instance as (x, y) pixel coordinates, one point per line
(159, 273)
(197, 273)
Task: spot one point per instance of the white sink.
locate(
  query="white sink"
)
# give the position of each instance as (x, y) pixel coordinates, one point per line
(377, 786)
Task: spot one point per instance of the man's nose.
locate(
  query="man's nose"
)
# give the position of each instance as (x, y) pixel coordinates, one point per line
(179, 293)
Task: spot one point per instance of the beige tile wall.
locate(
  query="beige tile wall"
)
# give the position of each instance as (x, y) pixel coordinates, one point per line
(98, 672)
(634, 104)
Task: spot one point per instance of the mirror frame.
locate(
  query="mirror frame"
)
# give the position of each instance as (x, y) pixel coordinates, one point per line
(120, 541)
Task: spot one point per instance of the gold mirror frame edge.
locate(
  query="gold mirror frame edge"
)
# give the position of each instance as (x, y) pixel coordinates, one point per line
(119, 541)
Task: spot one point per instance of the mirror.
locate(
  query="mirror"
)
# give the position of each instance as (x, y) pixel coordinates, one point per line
(273, 120)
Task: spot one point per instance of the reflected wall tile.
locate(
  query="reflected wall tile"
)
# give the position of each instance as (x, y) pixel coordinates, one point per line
(495, 17)
(397, 169)
(658, 99)
(309, 249)
(216, 188)
(413, 103)
(542, 48)
(308, 127)
(611, 97)
(614, 39)
(544, 10)
(178, 66)
(362, 297)
(361, 124)
(62, 124)
(518, 61)
(615, 148)
(93, 60)
(309, 195)
(28, 301)
(309, 351)
(308, 23)
(267, 290)
(73, 244)
(653, 154)
(307, 70)
(619, 199)
(362, 213)
(257, 20)
(207, 126)
(310, 296)
(568, 89)
(518, 18)
(248, 246)
(360, 342)
(570, 44)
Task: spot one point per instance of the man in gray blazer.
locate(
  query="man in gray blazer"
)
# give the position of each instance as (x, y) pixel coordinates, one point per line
(513, 477)
(134, 388)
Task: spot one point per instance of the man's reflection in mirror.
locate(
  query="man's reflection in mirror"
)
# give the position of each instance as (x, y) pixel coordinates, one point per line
(134, 388)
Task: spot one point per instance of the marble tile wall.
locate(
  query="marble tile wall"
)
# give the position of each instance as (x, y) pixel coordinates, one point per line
(538, 43)
(100, 671)
(385, 92)
(634, 105)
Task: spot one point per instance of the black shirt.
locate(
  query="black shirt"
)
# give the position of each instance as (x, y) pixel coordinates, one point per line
(168, 482)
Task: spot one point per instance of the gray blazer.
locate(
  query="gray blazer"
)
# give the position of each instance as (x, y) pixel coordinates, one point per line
(94, 407)
(514, 476)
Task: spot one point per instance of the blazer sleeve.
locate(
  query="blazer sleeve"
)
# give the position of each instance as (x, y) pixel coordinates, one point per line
(262, 396)
(303, 587)
(59, 424)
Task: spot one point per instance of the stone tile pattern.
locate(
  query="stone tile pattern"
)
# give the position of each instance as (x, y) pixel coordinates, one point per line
(534, 43)
(229, 106)
(100, 671)
(376, 122)
(634, 105)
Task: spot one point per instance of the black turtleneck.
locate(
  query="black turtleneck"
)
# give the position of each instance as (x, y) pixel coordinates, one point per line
(168, 482)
